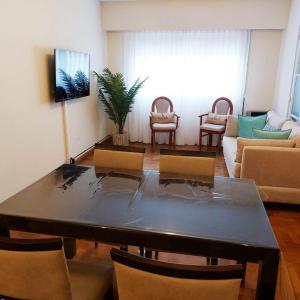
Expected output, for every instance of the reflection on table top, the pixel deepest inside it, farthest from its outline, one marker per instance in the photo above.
(217, 208)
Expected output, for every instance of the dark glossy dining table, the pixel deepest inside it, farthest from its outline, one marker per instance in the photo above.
(214, 216)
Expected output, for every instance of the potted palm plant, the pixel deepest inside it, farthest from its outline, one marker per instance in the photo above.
(117, 100)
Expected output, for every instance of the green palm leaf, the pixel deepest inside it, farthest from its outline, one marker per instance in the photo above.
(117, 100)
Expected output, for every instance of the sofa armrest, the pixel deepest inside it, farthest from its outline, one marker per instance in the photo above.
(271, 166)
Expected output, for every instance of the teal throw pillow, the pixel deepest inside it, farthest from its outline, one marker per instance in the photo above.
(273, 135)
(247, 123)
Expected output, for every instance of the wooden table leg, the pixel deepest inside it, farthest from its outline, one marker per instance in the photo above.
(267, 277)
(244, 263)
(69, 247)
(3, 230)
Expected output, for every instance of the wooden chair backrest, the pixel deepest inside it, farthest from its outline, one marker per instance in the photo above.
(222, 106)
(162, 104)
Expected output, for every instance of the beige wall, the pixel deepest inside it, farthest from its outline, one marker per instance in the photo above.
(194, 14)
(286, 61)
(262, 68)
(31, 125)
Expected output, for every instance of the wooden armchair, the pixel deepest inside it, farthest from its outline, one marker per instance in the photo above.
(162, 119)
(215, 122)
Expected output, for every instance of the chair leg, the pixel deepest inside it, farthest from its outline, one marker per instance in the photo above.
(219, 143)
(148, 254)
(212, 260)
(174, 140)
(142, 251)
(210, 136)
(200, 139)
(170, 138)
(153, 138)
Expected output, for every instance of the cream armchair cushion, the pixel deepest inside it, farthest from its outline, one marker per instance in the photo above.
(213, 118)
(162, 118)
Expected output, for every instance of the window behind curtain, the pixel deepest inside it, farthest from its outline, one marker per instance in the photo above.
(295, 99)
(192, 68)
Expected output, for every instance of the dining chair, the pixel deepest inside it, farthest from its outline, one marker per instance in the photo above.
(215, 122)
(187, 162)
(163, 119)
(37, 269)
(119, 157)
(142, 278)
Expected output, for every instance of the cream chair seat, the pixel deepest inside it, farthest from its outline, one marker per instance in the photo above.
(159, 126)
(141, 278)
(213, 127)
(37, 269)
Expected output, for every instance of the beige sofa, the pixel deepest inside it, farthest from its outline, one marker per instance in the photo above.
(273, 164)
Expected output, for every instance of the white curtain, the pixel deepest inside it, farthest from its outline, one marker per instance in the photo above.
(192, 68)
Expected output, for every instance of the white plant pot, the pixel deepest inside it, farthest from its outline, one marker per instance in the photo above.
(120, 139)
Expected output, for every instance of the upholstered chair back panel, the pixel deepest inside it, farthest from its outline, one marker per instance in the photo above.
(136, 284)
(34, 275)
(118, 159)
(189, 165)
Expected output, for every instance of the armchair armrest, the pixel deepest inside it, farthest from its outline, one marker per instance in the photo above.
(201, 118)
(150, 122)
(177, 120)
(271, 166)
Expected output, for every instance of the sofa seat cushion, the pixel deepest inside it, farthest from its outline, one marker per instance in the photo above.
(229, 150)
(213, 127)
(278, 194)
(241, 143)
(295, 134)
(166, 126)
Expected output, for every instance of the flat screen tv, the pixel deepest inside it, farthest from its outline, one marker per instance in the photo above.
(72, 75)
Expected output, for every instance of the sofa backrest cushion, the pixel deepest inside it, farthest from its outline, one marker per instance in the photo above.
(242, 142)
(231, 126)
(295, 135)
(274, 120)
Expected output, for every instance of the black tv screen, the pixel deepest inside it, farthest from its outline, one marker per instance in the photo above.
(72, 75)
